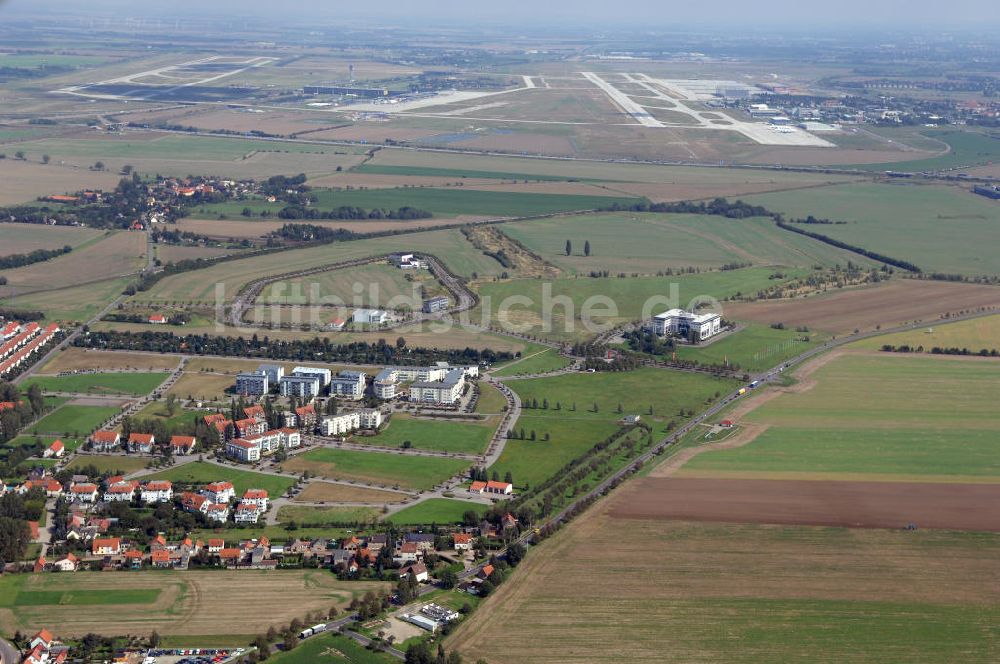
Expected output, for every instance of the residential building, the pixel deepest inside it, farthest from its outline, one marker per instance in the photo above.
(55, 450)
(417, 570)
(274, 372)
(435, 304)
(349, 384)
(255, 412)
(344, 423)
(218, 512)
(216, 545)
(386, 383)
(252, 384)
(300, 386)
(246, 513)
(256, 497)
(305, 417)
(121, 492)
(105, 441)
(192, 502)
(446, 391)
(158, 319)
(67, 563)
(157, 491)
(141, 443)
(107, 546)
(182, 445)
(370, 316)
(84, 492)
(219, 492)
(323, 374)
(477, 487)
(463, 541)
(686, 324)
(399, 259)
(249, 427)
(504, 488)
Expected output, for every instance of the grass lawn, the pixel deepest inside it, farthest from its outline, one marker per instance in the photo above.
(380, 285)
(78, 304)
(940, 228)
(157, 410)
(387, 169)
(490, 399)
(86, 598)
(754, 348)
(610, 300)
(968, 148)
(199, 472)
(73, 419)
(110, 464)
(874, 416)
(435, 510)
(428, 434)
(541, 362)
(101, 383)
(572, 433)
(331, 648)
(413, 472)
(444, 202)
(72, 444)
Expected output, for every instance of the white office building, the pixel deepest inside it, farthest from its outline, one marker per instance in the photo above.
(684, 323)
(370, 316)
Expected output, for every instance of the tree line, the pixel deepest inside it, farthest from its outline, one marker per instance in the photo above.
(37, 256)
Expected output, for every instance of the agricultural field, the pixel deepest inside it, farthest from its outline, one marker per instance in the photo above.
(875, 416)
(25, 181)
(130, 383)
(199, 473)
(84, 359)
(25, 238)
(888, 303)
(321, 516)
(628, 299)
(438, 511)
(753, 348)
(444, 202)
(73, 304)
(71, 418)
(975, 334)
(573, 432)
(964, 149)
(648, 243)
(429, 434)
(172, 603)
(940, 228)
(113, 254)
(741, 593)
(373, 285)
(542, 361)
(404, 471)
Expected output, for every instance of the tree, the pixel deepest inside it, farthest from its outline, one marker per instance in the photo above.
(448, 578)
(400, 343)
(569, 248)
(19, 155)
(171, 405)
(46, 158)
(419, 653)
(99, 166)
(508, 477)
(289, 641)
(127, 170)
(586, 248)
(154, 639)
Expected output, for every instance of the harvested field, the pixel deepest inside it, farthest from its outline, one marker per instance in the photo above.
(23, 181)
(814, 502)
(379, 181)
(896, 301)
(373, 133)
(330, 492)
(668, 192)
(973, 334)
(712, 592)
(171, 253)
(201, 603)
(25, 238)
(72, 304)
(520, 142)
(240, 228)
(116, 254)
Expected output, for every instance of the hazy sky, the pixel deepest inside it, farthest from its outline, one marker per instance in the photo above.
(651, 13)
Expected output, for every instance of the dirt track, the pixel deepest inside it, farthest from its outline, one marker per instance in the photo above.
(816, 503)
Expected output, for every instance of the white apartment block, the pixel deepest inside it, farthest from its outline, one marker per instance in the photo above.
(349, 384)
(446, 391)
(344, 423)
(252, 383)
(274, 372)
(323, 374)
(253, 448)
(299, 386)
(157, 491)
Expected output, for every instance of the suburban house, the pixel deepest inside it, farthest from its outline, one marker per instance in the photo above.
(158, 319)
(417, 570)
(141, 443)
(256, 497)
(477, 487)
(682, 323)
(409, 552)
(157, 491)
(67, 563)
(219, 492)
(84, 492)
(182, 445)
(216, 545)
(105, 441)
(121, 492)
(249, 427)
(463, 541)
(107, 546)
(305, 417)
(55, 450)
(255, 412)
(242, 450)
(192, 502)
(504, 488)
(218, 512)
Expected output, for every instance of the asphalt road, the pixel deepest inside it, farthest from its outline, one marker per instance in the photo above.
(8, 653)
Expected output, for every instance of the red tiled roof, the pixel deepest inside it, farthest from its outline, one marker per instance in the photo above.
(254, 493)
(57, 445)
(305, 410)
(498, 485)
(216, 487)
(477, 486)
(462, 538)
(104, 436)
(213, 418)
(43, 634)
(85, 487)
(140, 438)
(159, 485)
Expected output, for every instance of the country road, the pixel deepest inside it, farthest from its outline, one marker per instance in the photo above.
(8, 653)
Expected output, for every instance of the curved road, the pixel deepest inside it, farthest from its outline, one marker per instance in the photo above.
(8, 653)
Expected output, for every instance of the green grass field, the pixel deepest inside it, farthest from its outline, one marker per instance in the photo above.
(101, 383)
(648, 243)
(72, 419)
(380, 285)
(196, 148)
(902, 417)
(199, 473)
(85, 598)
(490, 399)
(421, 171)
(157, 410)
(968, 148)
(78, 304)
(427, 434)
(754, 348)
(331, 649)
(412, 472)
(572, 433)
(542, 361)
(111, 464)
(319, 516)
(72, 444)
(25, 238)
(610, 300)
(940, 228)
(974, 334)
(444, 202)
(435, 511)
